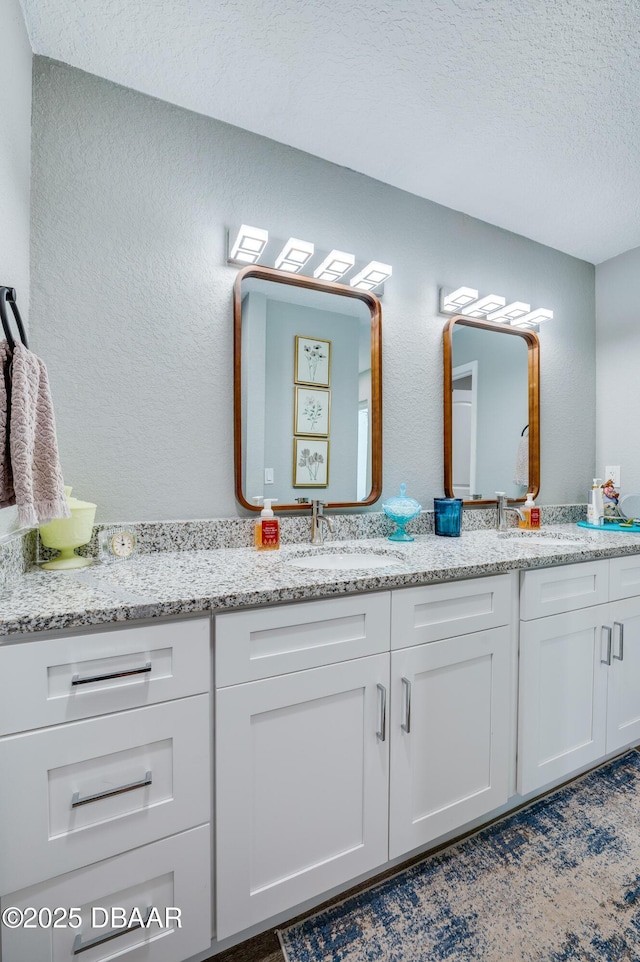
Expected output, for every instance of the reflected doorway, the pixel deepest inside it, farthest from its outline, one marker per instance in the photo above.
(465, 429)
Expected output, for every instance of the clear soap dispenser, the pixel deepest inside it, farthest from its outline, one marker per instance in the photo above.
(266, 535)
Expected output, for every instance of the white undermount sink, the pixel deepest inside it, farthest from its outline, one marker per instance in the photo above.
(540, 538)
(348, 560)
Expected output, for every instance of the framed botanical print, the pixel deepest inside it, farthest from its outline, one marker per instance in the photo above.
(312, 361)
(310, 463)
(312, 411)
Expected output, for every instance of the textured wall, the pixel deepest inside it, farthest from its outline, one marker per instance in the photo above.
(131, 298)
(15, 151)
(15, 164)
(617, 382)
(516, 111)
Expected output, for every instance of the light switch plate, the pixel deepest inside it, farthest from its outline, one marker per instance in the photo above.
(612, 473)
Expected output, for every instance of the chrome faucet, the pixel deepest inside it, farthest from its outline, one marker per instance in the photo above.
(503, 509)
(318, 518)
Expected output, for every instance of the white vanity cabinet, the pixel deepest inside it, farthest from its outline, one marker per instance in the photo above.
(623, 706)
(302, 758)
(623, 675)
(579, 667)
(107, 802)
(303, 786)
(563, 696)
(451, 714)
(449, 735)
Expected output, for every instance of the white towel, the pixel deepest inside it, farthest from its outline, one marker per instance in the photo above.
(521, 473)
(37, 478)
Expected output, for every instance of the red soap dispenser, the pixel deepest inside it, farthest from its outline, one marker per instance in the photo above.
(267, 530)
(531, 514)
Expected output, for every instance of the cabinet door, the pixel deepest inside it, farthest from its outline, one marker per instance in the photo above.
(449, 735)
(623, 703)
(563, 695)
(301, 797)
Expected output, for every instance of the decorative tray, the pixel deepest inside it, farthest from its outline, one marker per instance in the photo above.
(633, 528)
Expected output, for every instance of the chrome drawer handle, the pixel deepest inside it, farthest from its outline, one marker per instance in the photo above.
(406, 725)
(80, 946)
(607, 660)
(77, 680)
(620, 625)
(76, 801)
(382, 728)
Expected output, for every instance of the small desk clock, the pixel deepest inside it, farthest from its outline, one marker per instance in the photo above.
(117, 544)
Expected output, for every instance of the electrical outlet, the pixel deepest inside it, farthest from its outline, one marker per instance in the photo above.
(612, 473)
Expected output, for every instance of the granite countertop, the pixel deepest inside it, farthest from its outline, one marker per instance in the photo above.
(174, 582)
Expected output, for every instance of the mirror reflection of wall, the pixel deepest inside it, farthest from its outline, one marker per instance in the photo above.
(490, 412)
(292, 405)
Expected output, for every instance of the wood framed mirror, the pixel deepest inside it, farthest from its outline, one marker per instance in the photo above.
(491, 411)
(307, 391)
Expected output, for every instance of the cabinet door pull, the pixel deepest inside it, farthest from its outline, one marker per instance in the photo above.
(620, 626)
(609, 631)
(90, 679)
(406, 724)
(80, 946)
(76, 801)
(382, 727)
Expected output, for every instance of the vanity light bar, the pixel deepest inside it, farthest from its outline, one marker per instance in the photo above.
(371, 276)
(510, 313)
(334, 266)
(484, 306)
(453, 303)
(492, 307)
(294, 255)
(248, 245)
(535, 317)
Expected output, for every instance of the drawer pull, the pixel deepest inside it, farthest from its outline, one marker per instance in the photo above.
(76, 801)
(77, 680)
(80, 946)
(620, 626)
(607, 660)
(406, 724)
(382, 728)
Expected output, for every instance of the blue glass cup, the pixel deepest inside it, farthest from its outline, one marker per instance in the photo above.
(447, 516)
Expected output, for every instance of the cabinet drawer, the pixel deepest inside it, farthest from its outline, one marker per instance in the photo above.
(172, 873)
(550, 591)
(455, 608)
(275, 641)
(47, 682)
(624, 577)
(62, 800)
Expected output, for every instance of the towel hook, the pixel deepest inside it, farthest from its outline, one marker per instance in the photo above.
(8, 296)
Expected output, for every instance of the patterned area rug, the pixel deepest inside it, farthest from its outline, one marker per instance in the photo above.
(556, 882)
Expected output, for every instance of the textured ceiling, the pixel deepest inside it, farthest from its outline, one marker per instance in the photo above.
(524, 113)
